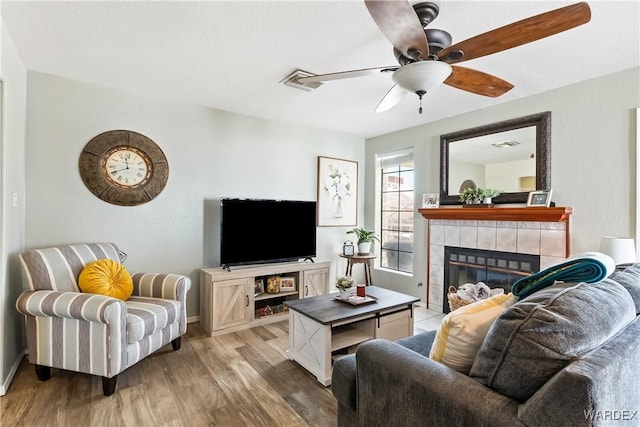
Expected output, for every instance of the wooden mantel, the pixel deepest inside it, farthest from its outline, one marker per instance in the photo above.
(555, 214)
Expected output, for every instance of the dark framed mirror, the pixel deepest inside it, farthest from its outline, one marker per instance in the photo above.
(513, 156)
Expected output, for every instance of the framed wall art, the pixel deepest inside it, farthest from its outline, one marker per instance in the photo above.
(337, 192)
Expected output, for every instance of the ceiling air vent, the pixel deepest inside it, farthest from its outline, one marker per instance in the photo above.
(292, 81)
(505, 144)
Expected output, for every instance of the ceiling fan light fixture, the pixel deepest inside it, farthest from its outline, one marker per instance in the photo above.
(421, 76)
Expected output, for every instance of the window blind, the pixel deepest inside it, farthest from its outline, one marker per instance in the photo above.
(395, 158)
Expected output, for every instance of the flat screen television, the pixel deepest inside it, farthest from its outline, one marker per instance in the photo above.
(254, 231)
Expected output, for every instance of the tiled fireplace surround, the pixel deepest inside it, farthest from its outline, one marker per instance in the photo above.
(547, 239)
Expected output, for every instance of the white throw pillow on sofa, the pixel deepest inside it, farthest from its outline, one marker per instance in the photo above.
(462, 331)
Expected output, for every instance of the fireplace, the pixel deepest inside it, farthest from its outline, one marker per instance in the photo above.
(542, 232)
(496, 269)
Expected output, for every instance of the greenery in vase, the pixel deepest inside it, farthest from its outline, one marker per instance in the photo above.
(491, 192)
(364, 235)
(345, 282)
(477, 195)
(471, 196)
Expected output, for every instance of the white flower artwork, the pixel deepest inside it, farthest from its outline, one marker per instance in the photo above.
(338, 186)
(337, 191)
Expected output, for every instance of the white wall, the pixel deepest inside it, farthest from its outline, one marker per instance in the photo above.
(462, 171)
(12, 225)
(211, 153)
(593, 166)
(505, 176)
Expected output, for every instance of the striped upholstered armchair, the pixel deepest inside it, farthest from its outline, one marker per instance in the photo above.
(91, 333)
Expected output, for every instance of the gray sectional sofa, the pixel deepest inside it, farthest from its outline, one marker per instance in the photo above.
(567, 355)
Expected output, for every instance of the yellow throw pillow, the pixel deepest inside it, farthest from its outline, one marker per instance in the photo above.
(462, 331)
(106, 277)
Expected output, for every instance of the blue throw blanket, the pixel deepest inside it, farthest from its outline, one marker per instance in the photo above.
(588, 267)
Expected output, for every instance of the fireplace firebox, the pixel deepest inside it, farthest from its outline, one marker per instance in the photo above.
(496, 269)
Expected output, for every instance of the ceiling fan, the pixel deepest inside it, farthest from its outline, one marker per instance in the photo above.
(426, 55)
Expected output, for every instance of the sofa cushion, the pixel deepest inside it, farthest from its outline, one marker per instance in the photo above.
(147, 315)
(420, 343)
(630, 278)
(106, 277)
(541, 334)
(462, 331)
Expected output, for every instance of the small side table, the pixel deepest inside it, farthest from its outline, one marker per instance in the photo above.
(360, 259)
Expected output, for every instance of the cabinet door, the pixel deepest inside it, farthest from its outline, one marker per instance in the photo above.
(315, 282)
(394, 326)
(231, 305)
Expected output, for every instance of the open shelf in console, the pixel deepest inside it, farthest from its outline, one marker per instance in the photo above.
(344, 336)
(272, 304)
(266, 296)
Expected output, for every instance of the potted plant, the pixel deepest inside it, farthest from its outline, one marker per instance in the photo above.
(489, 193)
(365, 238)
(475, 196)
(344, 285)
(471, 196)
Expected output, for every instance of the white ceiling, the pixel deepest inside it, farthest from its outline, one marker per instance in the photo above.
(232, 55)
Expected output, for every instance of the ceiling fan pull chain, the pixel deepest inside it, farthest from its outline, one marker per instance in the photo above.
(420, 93)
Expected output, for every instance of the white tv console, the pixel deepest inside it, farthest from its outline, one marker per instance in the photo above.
(228, 301)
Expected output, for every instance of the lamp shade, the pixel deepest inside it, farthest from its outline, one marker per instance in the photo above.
(621, 249)
(421, 76)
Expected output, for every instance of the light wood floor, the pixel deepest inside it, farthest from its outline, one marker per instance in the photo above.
(238, 379)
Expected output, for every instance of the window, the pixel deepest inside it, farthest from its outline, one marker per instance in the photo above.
(396, 211)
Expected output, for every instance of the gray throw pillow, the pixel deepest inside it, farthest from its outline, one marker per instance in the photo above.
(630, 279)
(541, 334)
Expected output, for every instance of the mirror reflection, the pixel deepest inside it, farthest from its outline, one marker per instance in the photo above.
(505, 161)
(513, 156)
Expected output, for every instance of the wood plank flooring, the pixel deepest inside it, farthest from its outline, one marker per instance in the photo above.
(237, 379)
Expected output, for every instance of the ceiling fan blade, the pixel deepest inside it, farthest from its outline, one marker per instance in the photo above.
(346, 74)
(399, 23)
(518, 33)
(477, 82)
(391, 99)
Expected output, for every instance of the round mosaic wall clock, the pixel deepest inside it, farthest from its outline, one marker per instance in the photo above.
(123, 167)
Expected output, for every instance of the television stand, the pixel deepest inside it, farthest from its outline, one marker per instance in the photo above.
(234, 299)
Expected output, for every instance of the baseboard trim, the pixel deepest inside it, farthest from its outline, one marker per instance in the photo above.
(194, 319)
(7, 381)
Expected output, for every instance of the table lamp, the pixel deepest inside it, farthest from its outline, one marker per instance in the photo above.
(621, 249)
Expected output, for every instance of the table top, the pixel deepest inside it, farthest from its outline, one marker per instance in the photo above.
(358, 257)
(326, 309)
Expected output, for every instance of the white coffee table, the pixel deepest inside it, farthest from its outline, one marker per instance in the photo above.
(321, 325)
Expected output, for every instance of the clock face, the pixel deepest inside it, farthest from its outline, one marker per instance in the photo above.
(347, 249)
(123, 167)
(127, 167)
